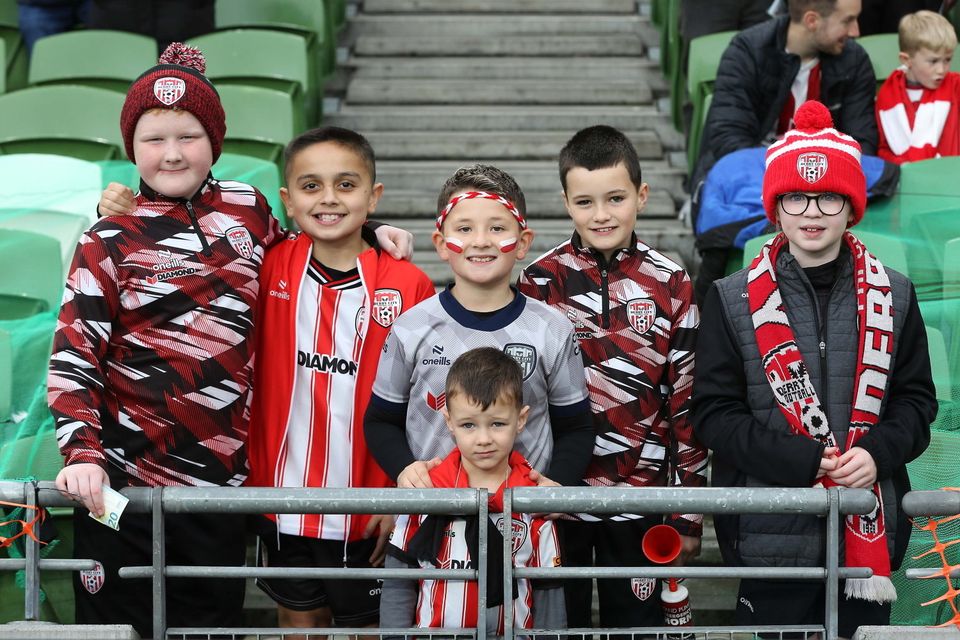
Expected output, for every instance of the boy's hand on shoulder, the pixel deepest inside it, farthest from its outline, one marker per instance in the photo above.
(84, 482)
(544, 481)
(855, 469)
(416, 475)
(395, 241)
(689, 549)
(117, 199)
(383, 522)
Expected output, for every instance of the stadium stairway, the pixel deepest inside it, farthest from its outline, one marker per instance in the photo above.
(436, 85)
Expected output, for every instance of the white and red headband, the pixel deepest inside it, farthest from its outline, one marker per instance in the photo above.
(471, 195)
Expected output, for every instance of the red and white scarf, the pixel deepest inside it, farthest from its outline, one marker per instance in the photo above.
(865, 536)
(911, 131)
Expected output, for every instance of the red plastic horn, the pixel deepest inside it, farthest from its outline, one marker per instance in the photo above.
(661, 544)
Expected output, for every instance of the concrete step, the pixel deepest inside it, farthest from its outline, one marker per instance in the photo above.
(473, 45)
(460, 24)
(524, 118)
(495, 144)
(541, 205)
(507, 67)
(531, 175)
(455, 91)
(500, 6)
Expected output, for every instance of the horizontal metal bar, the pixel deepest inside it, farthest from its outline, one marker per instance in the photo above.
(918, 574)
(931, 503)
(658, 500)
(785, 573)
(52, 564)
(240, 632)
(341, 573)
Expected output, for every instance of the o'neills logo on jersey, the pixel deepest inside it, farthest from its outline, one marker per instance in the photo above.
(281, 291)
(518, 532)
(169, 267)
(92, 579)
(386, 306)
(239, 238)
(525, 355)
(322, 363)
(641, 314)
(169, 90)
(811, 166)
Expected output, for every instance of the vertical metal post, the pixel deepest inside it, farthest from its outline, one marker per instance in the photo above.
(507, 564)
(159, 565)
(833, 563)
(484, 517)
(31, 602)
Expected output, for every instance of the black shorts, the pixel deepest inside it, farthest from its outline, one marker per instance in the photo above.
(794, 602)
(352, 603)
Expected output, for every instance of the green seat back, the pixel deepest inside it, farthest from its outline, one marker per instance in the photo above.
(259, 57)
(37, 456)
(951, 270)
(37, 120)
(697, 123)
(6, 374)
(55, 183)
(99, 58)
(13, 61)
(939, 364)
(262, 174)
(31, 267)
(3, 70)
(260, 122)
(702, 63)
(752, 248)
(306, 17)
(65, 228)
(884, 52)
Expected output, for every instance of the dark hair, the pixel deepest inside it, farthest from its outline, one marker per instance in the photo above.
(344, 137)
(599, 147)
(799, 7)
(486, 375)
(482, 177)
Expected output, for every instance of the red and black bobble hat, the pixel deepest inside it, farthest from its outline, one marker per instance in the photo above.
(177, 82)
(814, 157)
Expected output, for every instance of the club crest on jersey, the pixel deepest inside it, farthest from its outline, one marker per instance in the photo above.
(641, 313)
(386, 306)
(525, 355)
(518, 532)
(811, 166)
(239, 238)
(643, 587)
(92, 579)
(169, 90)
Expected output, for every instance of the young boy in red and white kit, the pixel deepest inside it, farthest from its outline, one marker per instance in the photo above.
(484, 413)
(330, 297)
(917, 106)
(635, 321)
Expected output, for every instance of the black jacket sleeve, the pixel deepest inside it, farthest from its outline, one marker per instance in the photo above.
(385, 428)
(903, 431)
(723, 421)
(573, 437)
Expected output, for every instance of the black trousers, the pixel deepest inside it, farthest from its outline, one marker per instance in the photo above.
(102, 597)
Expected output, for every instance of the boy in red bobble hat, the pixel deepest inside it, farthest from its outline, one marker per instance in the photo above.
(152, 359)
(812, 370)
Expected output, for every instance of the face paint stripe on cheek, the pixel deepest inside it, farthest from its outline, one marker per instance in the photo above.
(508, 245)
(454, 244)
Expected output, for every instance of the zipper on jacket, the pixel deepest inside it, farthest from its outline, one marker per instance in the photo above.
(196, 227)
(605, 298)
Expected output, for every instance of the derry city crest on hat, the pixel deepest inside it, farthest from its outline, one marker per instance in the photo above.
(169, 90)
(811, 166)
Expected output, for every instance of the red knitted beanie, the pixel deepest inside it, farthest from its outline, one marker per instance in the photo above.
(177, 82)
(814, 157)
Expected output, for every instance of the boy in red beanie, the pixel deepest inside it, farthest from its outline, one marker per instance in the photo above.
(152, 359)
(812, 370)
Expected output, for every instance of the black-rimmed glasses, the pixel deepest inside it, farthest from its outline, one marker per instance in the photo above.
(796, 203)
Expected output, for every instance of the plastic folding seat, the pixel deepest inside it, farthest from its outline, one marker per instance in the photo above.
(887, 248)
(6, 375)
(96, 58)
(14, 58)
(752, 248)
(259, 173)
(929, 185)
(36, 120)
(308, 18)
(37, 456)
(263, 58)
(702, 63)
(65, 228)
(884, 52)
(939, 365)
(50, 182)
(3, 72)
(260, 121)
(32, 272)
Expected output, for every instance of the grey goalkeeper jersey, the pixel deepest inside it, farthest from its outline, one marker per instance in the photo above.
(426, 340)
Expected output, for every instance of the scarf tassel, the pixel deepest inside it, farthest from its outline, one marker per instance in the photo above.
(878, 589)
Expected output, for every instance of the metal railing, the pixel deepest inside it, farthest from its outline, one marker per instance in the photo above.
(831, 504)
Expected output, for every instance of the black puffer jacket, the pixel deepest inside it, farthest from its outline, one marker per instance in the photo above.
(754, 80)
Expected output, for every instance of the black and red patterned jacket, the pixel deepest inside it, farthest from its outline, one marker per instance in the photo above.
(636, 324)
(153, 353)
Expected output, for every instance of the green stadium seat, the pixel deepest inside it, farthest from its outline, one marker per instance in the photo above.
(752, 248)
(262, 174)
(50, 182)
(6, 375)
(65, 228)
(305, 17)
(337, 11)
(13, 63)
(32, 270)
(95, 58)
(951, 269)
(884, 52)
(939, 364)
(262, 58)
(3, 72)
(888, 249)
(35, 120)
(702, 63)
(260, 121)
(928, 185)
(37, 456)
